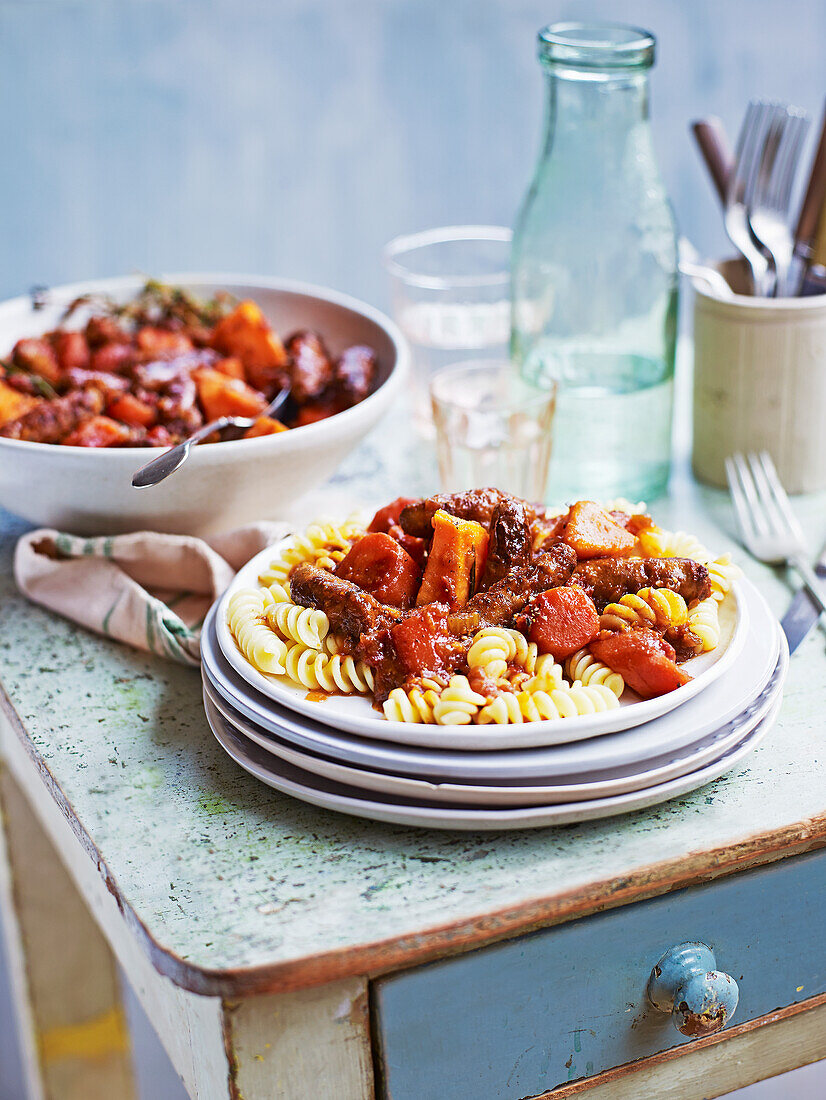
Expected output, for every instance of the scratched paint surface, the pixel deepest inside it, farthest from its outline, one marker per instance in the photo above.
(225, 873)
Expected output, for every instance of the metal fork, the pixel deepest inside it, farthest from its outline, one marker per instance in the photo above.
(739, 192)
(768, 526)
(768, 210)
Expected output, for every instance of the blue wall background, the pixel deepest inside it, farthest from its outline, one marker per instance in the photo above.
(294, 137)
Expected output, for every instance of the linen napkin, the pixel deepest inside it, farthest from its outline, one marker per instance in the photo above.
(149, 590)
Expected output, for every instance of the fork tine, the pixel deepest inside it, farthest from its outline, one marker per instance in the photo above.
(787, 157)
(756, 510)
(780, 495)
(775, 518)
(741, 508)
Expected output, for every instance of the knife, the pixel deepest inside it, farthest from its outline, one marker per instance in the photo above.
(803, 612)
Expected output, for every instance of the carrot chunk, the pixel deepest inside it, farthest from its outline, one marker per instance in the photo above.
(457, 558)
(563, 620)
(389, 515)
(593, 533)
(423, 641)
(223, 396)
(379, 565)
(643, 660)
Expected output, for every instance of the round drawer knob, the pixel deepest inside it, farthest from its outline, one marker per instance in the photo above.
(686, 983)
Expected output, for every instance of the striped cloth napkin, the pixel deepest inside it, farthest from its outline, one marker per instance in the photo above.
(147, 589)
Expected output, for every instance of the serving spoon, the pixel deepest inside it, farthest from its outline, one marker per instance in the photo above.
(158, 469)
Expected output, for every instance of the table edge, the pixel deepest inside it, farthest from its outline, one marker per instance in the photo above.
(439, 941)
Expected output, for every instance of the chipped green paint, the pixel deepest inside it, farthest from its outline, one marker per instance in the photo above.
(263, 881)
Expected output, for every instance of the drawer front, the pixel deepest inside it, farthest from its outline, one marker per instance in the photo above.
(513, 1020)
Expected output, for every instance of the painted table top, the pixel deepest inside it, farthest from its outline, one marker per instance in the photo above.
(238, 888)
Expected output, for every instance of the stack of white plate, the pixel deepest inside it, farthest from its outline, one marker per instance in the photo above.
(340, 753)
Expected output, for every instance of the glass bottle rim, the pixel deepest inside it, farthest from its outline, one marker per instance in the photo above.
(596, 46)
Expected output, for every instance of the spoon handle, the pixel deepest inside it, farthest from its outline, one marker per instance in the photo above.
(167, 463)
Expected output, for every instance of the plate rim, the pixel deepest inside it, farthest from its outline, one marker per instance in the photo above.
(468, 819)
(533, 734)
(308, 731)
(689, 758)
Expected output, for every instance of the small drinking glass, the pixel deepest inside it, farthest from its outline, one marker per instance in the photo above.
(492, 428)
(451, 293)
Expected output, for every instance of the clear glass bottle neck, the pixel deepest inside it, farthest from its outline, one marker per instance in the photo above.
(578, 97)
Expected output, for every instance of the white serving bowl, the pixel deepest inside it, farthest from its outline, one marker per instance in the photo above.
(88, 491)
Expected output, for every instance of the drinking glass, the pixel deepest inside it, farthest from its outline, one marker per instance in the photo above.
(492, 428)
(451, 293)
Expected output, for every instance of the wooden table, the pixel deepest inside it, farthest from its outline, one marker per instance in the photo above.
(282, 951)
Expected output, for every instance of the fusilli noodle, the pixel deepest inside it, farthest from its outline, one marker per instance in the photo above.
(657, 607)
(703, 621)
(491, 650)
(672, 544)
(722, 573)
(458, 703)
(583, 666)
(411, 706)
(324, 544)
(335, 673)
(299, 624)
(539, 705)
(260, 645)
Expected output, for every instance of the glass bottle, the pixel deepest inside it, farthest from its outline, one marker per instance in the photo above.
(594, 268)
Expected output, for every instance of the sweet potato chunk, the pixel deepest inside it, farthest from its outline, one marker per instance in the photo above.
(245, 334)
(223, 396)
(562, 620)
(13, 403)
(380, 566)
(131, 410)
(100, 431)
(642, 658)
(265, 425)
(231, 366)
(456, 560)
(594, 533)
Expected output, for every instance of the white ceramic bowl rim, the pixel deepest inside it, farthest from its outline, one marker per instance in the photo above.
(309, 432)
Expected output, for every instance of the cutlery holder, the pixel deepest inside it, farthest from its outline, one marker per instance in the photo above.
(760, 383)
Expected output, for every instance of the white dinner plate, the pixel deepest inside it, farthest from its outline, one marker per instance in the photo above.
(723, 701)
(324, 793)
(356, 714)
(688, 759)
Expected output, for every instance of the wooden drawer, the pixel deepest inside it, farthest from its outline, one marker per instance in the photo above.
(513, 1020)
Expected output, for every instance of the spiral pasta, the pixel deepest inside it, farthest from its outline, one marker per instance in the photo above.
(657, 607)
(259, 644)
(722, 573)
(672, 544)
(491, 650)
(703, 620)
(583, 666)
(539, 705)
(324, 544)
(313, 669)
(458, 703)
(280, 592)
(411, 706)
(299, 624)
